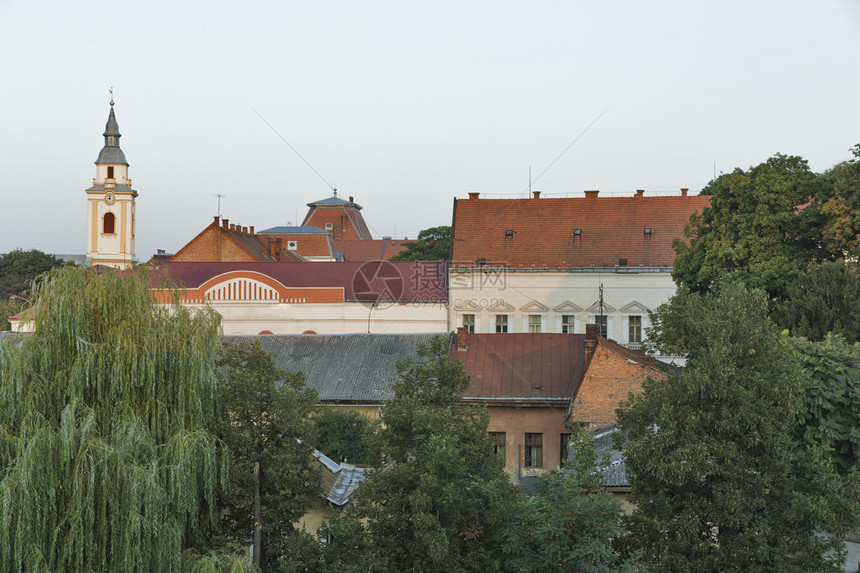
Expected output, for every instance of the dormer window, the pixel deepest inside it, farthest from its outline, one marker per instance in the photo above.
(110, 172)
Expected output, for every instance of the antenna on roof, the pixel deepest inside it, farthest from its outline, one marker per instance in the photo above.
(600, 301)
(530, 179)
(219, 203)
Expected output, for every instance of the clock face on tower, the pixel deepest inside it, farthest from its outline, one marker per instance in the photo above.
(110, 199)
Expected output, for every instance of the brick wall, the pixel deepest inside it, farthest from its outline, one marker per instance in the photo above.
(204, 248)
(608, 380)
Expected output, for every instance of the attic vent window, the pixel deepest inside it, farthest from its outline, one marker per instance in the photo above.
(292, 245)
(647, 232)
(577, 232)
(622, 262)
(329, 226)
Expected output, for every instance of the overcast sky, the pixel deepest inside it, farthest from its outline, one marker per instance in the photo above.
(404, 105)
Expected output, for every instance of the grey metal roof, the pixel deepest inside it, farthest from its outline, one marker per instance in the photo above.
(614, 471)
(111, 153)
(295, 230)
(117, 187)
(334, 201)
(342, 367)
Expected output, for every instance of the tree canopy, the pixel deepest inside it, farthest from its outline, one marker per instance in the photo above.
(720, 474)
(433, 244)
(754, 228)
(109, 462)
(18, 269)
(443, 503)
(346, 435)
(265, 414)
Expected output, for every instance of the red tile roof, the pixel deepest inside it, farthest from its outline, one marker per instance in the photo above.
(612, 228)
(408, 282)
(530, 366)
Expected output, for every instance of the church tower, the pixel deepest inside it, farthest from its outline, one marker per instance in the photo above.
(110, 205)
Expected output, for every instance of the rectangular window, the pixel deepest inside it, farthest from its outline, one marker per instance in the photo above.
(110, 172)
(469, 323)
(565, 444)
(498, 439)
(567, 324)
(534, 450)
(603, 324)
(635, 334)
(501, 323)
(534, 323)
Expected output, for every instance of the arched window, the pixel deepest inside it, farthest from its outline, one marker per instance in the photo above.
(109, 220)
(309, 332)
(265, 332)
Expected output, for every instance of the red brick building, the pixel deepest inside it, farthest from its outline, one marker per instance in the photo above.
(539, 387)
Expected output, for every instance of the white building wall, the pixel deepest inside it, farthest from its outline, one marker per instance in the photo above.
(486, 293)
(329, 318)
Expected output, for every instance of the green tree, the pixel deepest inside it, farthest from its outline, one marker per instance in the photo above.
(108, 459)
(444, 502)
(9, 308)
(433, 244)
(823, 299)
(839, 208)
(346, 435)
(266, 413)
(754, 228)
(720, 476)
(831, 412)
(18, 269)
(570, 525)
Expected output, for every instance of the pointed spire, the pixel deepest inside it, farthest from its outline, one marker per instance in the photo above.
(111, 153)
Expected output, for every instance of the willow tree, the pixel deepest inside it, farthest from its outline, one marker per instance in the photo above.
(107, 460)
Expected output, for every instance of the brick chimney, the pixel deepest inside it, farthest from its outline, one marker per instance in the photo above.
(351, 199)
(224, 223)
(279, 246)
(473, 195)
(462, 338)
(592, 194)
(217, 220)
(536, 194)
(232, 227)
(684, 191)
(251, 228)
(245, 230)
(640, 192)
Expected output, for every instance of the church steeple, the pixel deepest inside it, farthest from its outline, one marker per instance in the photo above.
(111, 204)
(111, 152)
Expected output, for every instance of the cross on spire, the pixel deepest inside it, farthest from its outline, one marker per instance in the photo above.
(111, 95)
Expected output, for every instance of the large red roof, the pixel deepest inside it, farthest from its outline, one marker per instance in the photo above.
(525, 365)
(543, 230)
(407, 282)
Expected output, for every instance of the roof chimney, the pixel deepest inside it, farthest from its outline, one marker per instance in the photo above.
(351, 199)
(591, 332)
(592, 194)
(279, 246)
(536, 194)
(217, 219)
(462, 338)
(245, 230)
(252, 229)
(684, 191)
(224, 223)
(232, 227)
(640, 192)
(473, 195)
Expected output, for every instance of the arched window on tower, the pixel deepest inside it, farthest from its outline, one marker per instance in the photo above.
(108, 226)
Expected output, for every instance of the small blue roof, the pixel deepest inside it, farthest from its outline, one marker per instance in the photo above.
(294, 230)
